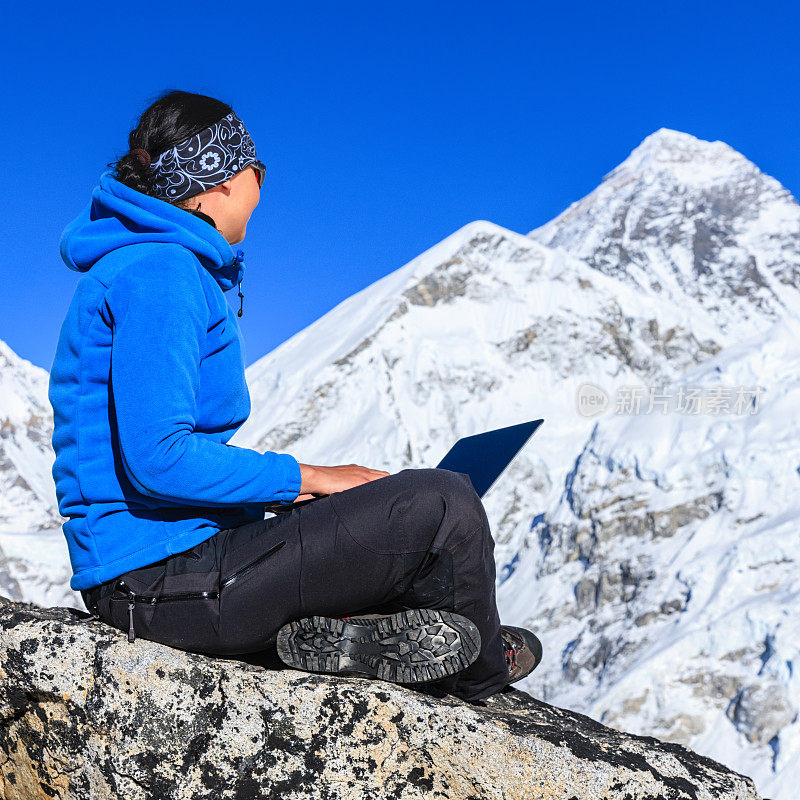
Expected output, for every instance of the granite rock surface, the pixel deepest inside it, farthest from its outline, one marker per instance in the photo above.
(86, 714)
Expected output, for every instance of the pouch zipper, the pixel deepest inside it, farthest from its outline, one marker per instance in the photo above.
(252, 565)
(213, 595)
(133, 597)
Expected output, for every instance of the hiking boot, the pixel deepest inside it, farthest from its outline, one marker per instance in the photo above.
(523, 651)
(410, 646)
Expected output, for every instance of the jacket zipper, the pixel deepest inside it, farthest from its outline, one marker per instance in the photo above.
(252, 565)
(133, 597)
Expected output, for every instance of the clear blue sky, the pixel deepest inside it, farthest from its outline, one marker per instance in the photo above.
(384, 127)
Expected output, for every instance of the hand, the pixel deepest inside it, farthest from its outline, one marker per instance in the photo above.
(302, 497)
(277, 507)
(317, 480)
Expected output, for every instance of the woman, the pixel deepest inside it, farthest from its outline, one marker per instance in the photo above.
(167, 533)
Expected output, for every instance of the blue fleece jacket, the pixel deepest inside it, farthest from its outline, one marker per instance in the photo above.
(147, 386)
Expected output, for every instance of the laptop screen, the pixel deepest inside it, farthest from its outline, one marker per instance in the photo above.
(484, 456)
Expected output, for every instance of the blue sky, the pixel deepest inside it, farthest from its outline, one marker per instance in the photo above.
(384, 127)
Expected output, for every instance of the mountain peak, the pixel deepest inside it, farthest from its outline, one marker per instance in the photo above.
(684, 157)
(693, 220)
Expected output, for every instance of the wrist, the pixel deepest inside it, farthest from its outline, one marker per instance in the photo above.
(309, 477)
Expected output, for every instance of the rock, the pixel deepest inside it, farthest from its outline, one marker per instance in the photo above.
(761, 710)
(86, 714)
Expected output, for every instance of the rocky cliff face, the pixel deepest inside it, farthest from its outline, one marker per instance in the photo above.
(84, 714)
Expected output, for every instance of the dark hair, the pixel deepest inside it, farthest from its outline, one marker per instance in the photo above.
(170, 119)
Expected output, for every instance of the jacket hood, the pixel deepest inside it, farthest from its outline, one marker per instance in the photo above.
(118, 215)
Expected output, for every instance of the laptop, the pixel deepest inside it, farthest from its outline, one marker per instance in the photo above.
(483, 456)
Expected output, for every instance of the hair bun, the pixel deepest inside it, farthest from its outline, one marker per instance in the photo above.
(142, 155)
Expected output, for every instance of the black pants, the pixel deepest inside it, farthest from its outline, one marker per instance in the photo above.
(416, 539)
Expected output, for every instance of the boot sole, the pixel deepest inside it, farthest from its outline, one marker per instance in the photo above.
(411, 646)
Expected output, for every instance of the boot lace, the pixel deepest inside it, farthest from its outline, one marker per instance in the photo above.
(511, 655)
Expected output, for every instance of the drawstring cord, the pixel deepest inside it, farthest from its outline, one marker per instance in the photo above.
(239, 258)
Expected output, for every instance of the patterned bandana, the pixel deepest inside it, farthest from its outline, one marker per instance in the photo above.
(206, 159)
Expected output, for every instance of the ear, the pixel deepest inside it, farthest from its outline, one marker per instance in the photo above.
(224, 187)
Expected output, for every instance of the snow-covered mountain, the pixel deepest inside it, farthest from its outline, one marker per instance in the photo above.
(34, 562)
(693, 222)
(678, 533)
(654, 553)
